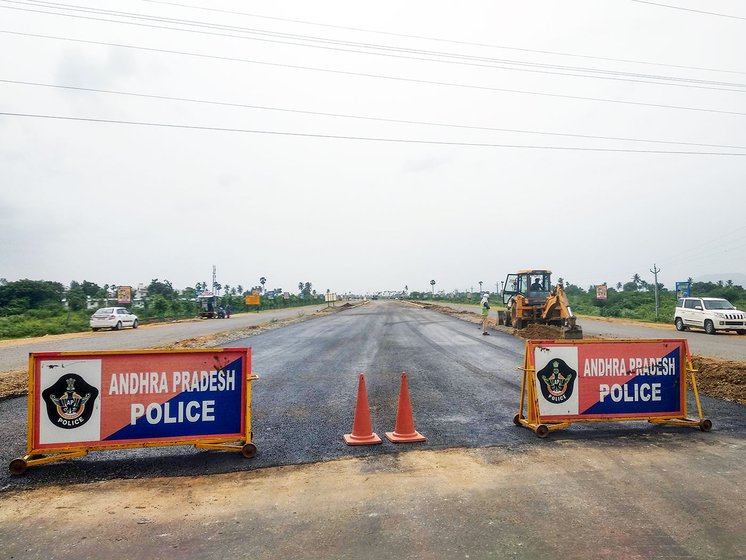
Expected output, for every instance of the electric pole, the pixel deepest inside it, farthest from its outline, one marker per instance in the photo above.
(655, 270)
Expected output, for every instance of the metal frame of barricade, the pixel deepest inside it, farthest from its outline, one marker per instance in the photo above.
(40, 456)
(529, 400)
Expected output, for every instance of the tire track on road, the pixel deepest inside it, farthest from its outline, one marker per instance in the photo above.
(455, 357)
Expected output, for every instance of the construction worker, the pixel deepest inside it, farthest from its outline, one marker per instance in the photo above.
(485, 305)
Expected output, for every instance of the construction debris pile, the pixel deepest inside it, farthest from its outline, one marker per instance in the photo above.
(539, 332)
(724, 379)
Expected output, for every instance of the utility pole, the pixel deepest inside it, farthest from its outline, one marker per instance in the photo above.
(655, 270)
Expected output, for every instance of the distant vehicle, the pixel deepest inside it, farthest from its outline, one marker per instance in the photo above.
(208, 306)
(710, 314)
(114, 318)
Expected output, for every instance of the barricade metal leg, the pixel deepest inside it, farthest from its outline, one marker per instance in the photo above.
(20, 464)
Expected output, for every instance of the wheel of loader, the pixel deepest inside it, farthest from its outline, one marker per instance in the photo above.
(705, 425)
(519, 323)
(517, 419)
(542, 431)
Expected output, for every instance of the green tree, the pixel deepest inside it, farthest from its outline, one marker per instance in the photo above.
(159, 304)
(189, 293)
(22, 295)
(76, 297)
(630, 287)
(164, 288)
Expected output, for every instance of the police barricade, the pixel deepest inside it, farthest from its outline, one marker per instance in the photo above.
(567, 381)
(83, 401)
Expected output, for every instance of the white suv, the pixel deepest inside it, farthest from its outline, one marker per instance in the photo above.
(710, 314)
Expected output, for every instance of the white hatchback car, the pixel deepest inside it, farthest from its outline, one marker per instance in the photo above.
(113, 318)
(710, 314)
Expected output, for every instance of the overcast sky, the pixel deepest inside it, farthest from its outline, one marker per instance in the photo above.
(123, 204)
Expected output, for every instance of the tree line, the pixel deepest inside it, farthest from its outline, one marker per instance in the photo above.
(636, 299)
(39, 307)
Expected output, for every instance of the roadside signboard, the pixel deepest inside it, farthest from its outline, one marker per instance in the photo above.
(601, 291)
(683, 289)
(253, 299)
(330, 297)
(82, 401)
(124, 295)
(568, 381)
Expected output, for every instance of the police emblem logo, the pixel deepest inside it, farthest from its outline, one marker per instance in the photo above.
(70, 401)
(557, 381)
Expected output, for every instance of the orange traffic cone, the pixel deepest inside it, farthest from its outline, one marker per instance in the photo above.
(362, 431)
(404, 431)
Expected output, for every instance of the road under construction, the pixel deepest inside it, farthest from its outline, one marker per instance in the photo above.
(475, 487)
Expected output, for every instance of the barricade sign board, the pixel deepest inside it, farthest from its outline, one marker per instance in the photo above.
(566, 381)
(81, 401)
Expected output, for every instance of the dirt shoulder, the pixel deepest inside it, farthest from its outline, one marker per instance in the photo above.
(452, 503)
(716, 377)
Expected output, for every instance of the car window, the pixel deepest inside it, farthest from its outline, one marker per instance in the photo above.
(104, 310)
(691, 303)
(718, 304)
(680, 302)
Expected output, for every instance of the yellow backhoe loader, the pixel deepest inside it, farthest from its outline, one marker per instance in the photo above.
(530, 298)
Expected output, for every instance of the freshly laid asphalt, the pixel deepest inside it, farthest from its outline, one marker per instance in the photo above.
(464, 390)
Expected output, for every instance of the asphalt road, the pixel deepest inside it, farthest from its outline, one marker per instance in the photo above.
(621, 490)
(726, 345)
(14, 353)
(464, 389)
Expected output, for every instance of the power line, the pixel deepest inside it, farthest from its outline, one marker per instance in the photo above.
(439, 39)
(131, 15)
(687, 9)
(675, 81)
(377, 76)
(364, 138)
(361, 117)
(350, 43)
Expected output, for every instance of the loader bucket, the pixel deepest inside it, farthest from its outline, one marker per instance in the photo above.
(501, 314)
(572, 333)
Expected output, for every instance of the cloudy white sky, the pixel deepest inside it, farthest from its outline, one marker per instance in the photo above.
(125, 203)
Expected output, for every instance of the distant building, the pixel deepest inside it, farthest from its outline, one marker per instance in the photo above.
(140, 295)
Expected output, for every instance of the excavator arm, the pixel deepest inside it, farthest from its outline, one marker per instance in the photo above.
(557, 310)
